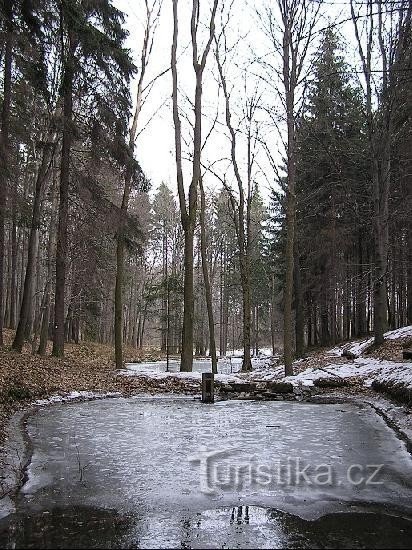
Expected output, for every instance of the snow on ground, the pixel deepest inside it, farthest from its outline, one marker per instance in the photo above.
(404, 332)
(357, 348)
(73, 396)
(366, 369)
(397, 373)
(195, 376)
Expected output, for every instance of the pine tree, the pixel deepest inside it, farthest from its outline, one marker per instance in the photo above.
(332, 212)
(93, 56)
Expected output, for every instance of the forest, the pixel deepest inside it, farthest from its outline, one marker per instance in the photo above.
(205, 274)
(286, 222)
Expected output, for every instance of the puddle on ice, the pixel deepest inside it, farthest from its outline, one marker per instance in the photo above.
(117, 472)
(231, 527)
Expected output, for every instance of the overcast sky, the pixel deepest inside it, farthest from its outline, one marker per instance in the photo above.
(155, 144)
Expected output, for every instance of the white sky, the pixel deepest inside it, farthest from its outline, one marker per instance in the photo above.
(155, 145)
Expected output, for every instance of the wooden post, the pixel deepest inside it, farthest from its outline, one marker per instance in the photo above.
(407, 353)
(208, 387)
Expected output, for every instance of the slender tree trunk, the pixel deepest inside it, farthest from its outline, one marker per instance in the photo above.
(299, 315)
(4, 145)
(256, 331)
(360, 291)
(381, 199)
(13, 290)
(409, 271)
(188, 212)
(32, 250)
(62, 229)
(289, 81)
(120, 239)
(247, 324)
(164, 291)
(290, 238)
(32, 303)
(120, 244)
(8, 281)
(118, 298)
(46, 302)
(206, 279)
(188, 301)
(272, 315)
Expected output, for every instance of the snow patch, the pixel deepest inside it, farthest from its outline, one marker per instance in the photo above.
(403, 332)
(74, 395)
(357, 348)
(400, 373)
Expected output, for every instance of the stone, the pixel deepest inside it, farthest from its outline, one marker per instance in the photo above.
(280, 387)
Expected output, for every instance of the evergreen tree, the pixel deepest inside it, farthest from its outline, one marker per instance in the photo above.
(333, 215)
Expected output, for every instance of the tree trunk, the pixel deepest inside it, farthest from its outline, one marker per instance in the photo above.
(7, 277)
(206, 279)
(62, 229)
(245, 283)
(188, 212)
(46, 302)
(299, 315)
(118, 299)
(290, 238)
(360, 291)
(409, 271)
(13, 290)
(272, 316)
(256, 331)
(164, 291)
(4, 145)
(32, 251)
(381, 197)
(188, 301)
(289, 81)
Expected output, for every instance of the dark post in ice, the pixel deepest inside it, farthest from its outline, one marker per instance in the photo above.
(407, 353)
(208, 387)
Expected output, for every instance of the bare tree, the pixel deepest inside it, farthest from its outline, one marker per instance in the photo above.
(241, 203)
(152, 17)
(188, 208)
(291, 40)
(206, 278)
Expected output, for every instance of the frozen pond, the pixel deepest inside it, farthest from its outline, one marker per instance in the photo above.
(226, 365)
(133, 473)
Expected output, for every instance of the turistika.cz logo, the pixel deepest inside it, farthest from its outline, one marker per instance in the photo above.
(219, 470)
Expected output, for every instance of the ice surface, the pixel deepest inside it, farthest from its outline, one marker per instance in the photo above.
(134, 453)
(116, 473)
